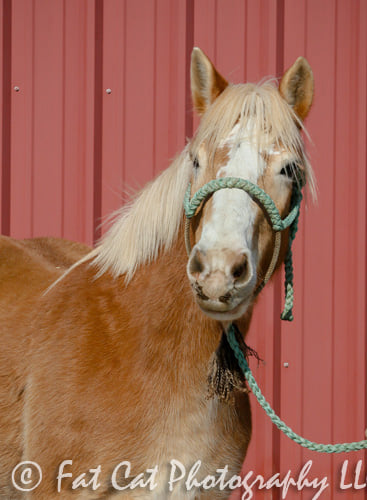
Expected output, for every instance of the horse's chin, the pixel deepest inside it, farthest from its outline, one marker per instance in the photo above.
(224, 312)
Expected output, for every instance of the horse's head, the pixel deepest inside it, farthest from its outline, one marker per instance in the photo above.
(250, 132)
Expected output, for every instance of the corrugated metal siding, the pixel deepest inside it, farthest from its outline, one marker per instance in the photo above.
(70, 150)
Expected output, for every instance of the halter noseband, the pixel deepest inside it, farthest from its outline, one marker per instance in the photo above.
(277, 223)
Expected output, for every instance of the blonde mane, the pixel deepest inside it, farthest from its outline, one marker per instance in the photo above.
(147, 224)
(152, 220)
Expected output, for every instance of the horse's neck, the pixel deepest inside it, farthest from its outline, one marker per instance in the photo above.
(172, 325)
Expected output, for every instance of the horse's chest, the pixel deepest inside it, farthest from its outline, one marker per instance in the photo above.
(194, 444)
(192, 433)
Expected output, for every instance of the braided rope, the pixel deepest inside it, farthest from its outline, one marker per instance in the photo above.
(311, 445)
(287, 313)
(277, 223)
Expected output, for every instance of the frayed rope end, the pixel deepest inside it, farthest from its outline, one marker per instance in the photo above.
(225, 376)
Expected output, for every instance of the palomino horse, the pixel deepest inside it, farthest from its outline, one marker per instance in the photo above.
(104, 376)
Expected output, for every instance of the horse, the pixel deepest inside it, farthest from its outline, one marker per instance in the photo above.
(105, 352)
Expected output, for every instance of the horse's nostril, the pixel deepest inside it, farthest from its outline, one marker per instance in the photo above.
(225, 298)
(240, 270)
(196, 264)
(199, 291)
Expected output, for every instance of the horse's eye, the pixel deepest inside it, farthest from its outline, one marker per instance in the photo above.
(195, 162)
(292, 171)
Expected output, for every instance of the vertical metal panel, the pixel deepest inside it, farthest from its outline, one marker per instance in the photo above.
(48, 116)
(139, 106)
(113, 139)
(88, 135)
(78, 107)
(69, 151)
(6, 12)
(22, 47)
(231, 32)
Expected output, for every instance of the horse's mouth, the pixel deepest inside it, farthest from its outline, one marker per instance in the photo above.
(228, 305)
(224, 310)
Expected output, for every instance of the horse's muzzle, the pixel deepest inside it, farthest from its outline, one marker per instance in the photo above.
(221, 279)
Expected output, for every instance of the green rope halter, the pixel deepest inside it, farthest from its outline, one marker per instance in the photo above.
(277, 223)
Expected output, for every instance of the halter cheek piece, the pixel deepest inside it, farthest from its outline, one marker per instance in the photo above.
(277, 223)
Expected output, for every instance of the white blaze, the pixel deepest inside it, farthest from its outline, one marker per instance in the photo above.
(233, 211)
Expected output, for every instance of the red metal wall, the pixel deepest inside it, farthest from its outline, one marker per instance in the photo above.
(70, 150)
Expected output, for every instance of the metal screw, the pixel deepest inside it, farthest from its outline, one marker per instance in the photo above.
(108, 91)
(286, 365)
(16, 89)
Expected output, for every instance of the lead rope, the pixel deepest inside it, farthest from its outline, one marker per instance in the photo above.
(311, 445)
(278, 224)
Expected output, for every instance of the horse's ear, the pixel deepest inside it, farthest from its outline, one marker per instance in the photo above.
(206, 82)
(297, 87)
